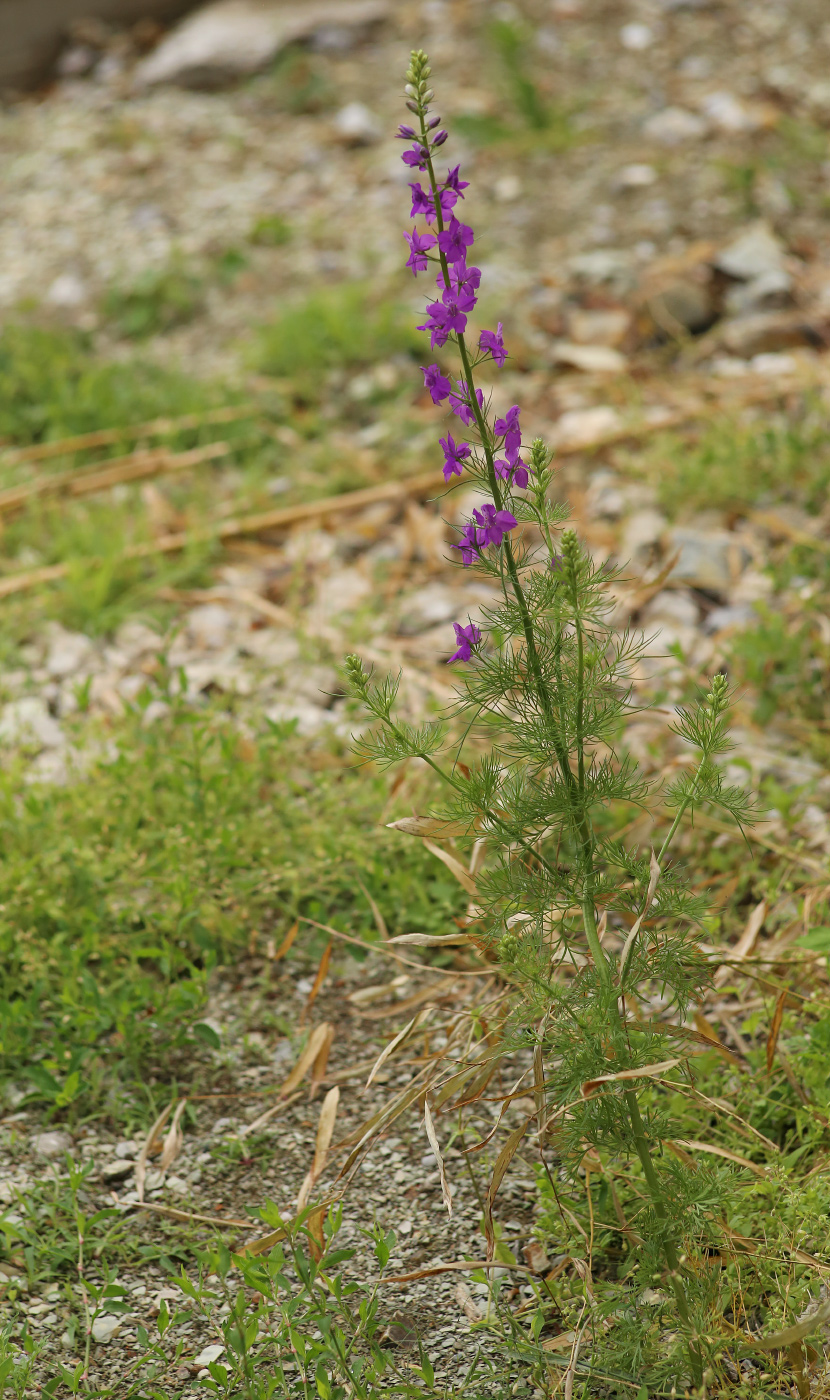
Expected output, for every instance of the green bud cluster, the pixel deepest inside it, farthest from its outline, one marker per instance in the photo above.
(508, 948)
(355, 674)
(718, 698)
(417, 91)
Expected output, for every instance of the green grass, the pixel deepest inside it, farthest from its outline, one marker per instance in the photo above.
(157, 300)
(52, 385)
(732, 466)
(346, 326)
(120, 893)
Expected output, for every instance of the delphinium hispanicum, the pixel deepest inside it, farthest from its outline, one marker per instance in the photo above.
(547, 682)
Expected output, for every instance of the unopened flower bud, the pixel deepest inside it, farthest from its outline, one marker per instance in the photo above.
(428, 95)
(509, 946)
(439, 139)
(411, 90)
(413, 106)
(433, 122)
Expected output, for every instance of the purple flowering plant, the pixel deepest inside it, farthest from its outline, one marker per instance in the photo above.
(544, 686)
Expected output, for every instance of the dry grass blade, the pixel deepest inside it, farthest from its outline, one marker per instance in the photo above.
(694, 1146)
(796, 1333)
(190, 1216)
(325, 1130)
(775, 1028)
(266, 1117)
(654, 876)
(446, 1191)
(148, 1148)
(432, 1270)
(454, 866)
(105, 437)
(244, 597)
(400, 1039)
(136, 466)
(319, 979)
(503, 1161)
(380, 922)
(321, 1059)
(315, 1041)
(431, 940)
(429, 826)
(425, 994)
(644, 1072)
(174, 1138)
(380, 1120)
(466, 1302)
(287, 941)
(570, 1373)
(744, 945)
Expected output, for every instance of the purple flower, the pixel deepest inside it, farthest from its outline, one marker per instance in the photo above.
(468, 544)
(418, 245)
(433, 122)
(515, 472)
(421, 203)
(438, 140)
(436, 324)
(447, 198)
(460, 405)
(452, 182)
(416, 156)
(463, 279)
(455, 454)
(492, 343)
(406, 133)
(508, 428)
(455, 240)
(438, 384)
(493, 524)
(467, 638)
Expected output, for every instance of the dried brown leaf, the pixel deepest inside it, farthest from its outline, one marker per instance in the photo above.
(287, 941)
(325, 1130)
(694, 1146)
(644, 1072)
(174, 1139)
(319, 979)
(796, 1333)
(775, 1028)
(466, 1302)
(150, 1146)
(503, 1161)
(628, 946)
(429, 826)
(446, 1191)
(454, 866)
(432, 940)
(744, 945)
(315, 1041)
(321, 1059)
(376, 914)
(388, 1051)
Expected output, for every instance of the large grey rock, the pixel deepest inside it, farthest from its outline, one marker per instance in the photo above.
(232, 39)
(754, 253)
(52, 1144)
(708, 559)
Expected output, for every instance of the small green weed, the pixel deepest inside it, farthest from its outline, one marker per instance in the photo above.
(344, 326)
(271, 231)
(731, 466)
(158, 300)
(531, 117)
(300, 84)
(118, 895)
(52, 385)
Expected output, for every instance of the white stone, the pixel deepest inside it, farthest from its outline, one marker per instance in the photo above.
(231, 39)
(208, 1355)
(68, 652)
(756, 251)
(673, 126)
(52, 1144)
(507, 188)
(581, 427)
(105, 1327)
(309, 718)
(177, 1185)
(67, 290)
(635, 177)
(726, 112)
(28, 721)
(773, 363)
(592, 359)
(772, 288)
(357, 125)
(117, 1171)
(209, 626)
(643, 530)
(636, 37)
(432, 604)
(136, 639)
(672, 606)
(598, 327)
(708, 559)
